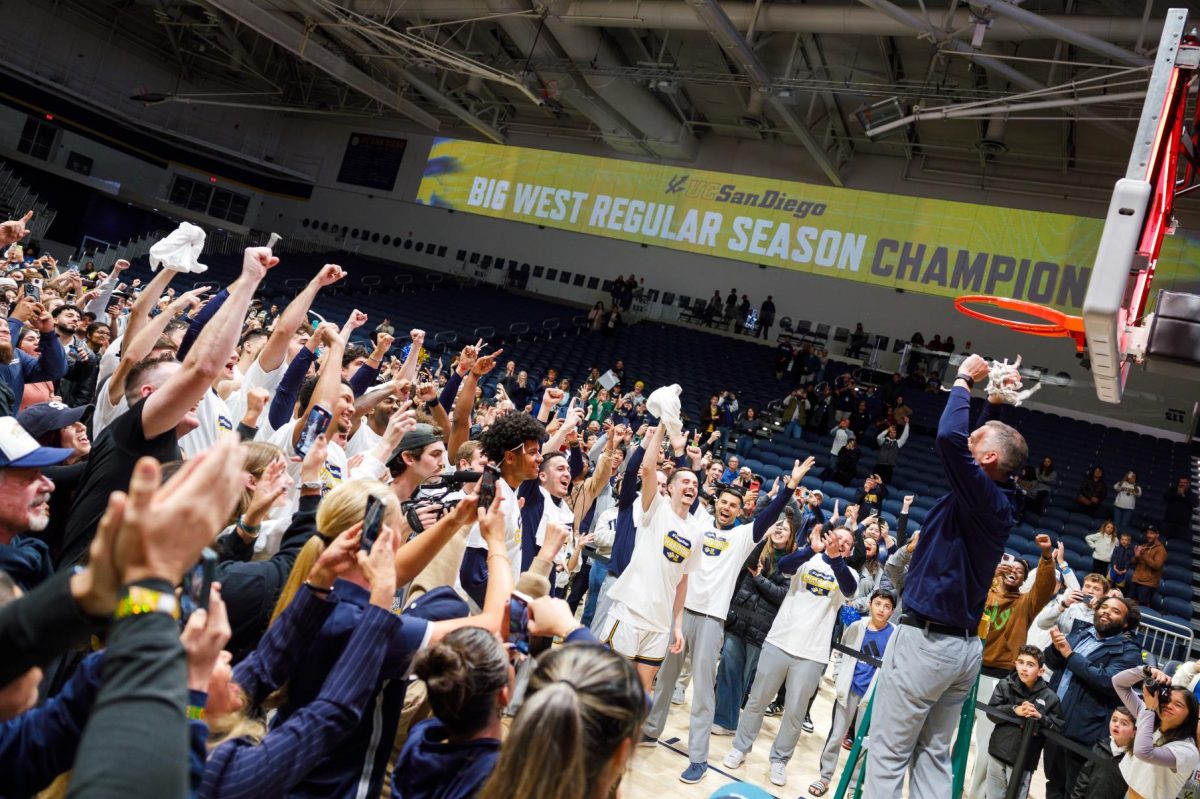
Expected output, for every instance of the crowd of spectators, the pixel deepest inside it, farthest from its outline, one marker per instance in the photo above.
(242, 553)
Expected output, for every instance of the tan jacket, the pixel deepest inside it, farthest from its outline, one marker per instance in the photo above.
(1148, 566)
(1008, 617)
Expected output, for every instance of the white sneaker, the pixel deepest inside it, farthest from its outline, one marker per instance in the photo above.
(735, 759)
(778, 772)
(717, 729)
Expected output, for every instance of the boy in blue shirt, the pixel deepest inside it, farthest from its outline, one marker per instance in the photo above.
(1122, 558)
(869, 635)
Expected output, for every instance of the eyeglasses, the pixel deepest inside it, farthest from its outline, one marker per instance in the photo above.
(521, 448)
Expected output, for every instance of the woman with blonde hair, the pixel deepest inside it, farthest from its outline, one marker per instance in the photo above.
(359, 758)
(340, 648)
(576, 732)
(1102, 542)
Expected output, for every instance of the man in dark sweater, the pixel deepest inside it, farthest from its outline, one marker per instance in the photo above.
(935, 654)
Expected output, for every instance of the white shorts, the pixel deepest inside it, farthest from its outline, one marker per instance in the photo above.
(636, 643)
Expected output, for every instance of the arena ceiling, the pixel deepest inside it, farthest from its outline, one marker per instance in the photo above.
(652, 78)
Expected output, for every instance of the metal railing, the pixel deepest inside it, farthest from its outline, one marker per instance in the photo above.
(1166, 640)
(16, 198)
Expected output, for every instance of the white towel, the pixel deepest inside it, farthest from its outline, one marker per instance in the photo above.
(664, 404)
(180, 250)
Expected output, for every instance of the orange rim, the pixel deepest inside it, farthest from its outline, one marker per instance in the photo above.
(1057, 323)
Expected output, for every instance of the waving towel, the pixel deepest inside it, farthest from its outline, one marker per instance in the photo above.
(664, 404)
(180, 250)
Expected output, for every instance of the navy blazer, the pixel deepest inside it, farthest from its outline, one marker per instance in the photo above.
(1090, 698)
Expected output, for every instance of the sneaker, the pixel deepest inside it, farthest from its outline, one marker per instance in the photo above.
(717, 729)
(778, 772)
(774, 709)
(677, 696)
(694, 773)
(847, 744)
(807, 725)
(735, 759)
(648, 740)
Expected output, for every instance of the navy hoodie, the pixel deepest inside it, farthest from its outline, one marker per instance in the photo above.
(431, 768)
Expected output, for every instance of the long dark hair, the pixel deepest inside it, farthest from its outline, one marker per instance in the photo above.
(463, 674)
(1186, 731)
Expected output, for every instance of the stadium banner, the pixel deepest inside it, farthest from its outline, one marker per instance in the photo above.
(930, 246)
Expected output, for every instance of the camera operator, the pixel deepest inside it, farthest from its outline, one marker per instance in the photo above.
(1164, 748)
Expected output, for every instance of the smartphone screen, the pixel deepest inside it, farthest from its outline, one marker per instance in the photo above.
(487, 489)
(755, 485)
(518, 620)
(197, 584)
(316, 424)
(372, 523)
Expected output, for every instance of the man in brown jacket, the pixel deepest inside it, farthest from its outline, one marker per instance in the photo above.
(1007, 618)
(1148, 561)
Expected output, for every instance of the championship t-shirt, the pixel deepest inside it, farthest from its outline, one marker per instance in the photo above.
(215, 419)
(722, 555)
(804, 625)
(667, 548)
(335, 470)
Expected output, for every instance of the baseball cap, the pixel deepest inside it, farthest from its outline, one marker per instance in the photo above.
(19, 450)
(418, 438)
(8, 283)
(440, 604)
(39, 419)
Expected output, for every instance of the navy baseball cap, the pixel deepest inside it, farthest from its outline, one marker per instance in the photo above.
(19, 450)
(440, 604)
(44, 417)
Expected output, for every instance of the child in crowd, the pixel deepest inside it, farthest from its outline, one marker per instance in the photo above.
(1027, 695)
(856, 678)
(1122, 560)
(1101, 778)
(1164, 755)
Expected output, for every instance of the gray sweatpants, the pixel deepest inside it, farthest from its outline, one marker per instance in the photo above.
(976, 788)
(918, 696)
(703, 637)
(774, 668)
(842, 715)
(998, 775)
(603, 603)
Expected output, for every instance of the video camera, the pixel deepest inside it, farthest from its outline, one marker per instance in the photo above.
(434, 494)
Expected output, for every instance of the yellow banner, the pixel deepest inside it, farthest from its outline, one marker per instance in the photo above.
(930, 246)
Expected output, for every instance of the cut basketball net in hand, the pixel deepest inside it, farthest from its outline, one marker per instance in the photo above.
(1004, 381)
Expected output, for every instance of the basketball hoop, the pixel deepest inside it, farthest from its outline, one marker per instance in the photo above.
(1057, 324)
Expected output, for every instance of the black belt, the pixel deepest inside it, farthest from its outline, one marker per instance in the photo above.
(912, 620)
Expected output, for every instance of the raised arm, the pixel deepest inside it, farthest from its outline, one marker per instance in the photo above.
(651, 446)
(142, 343)
(329, 379)
(770, 514)
(293, 316)
(179, 394)
(139, 311)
